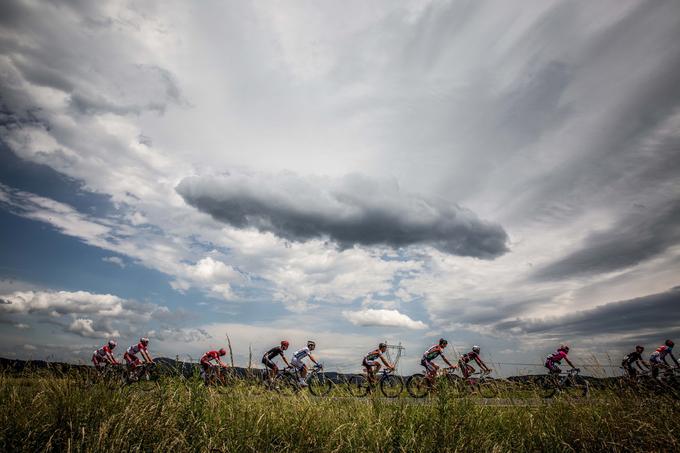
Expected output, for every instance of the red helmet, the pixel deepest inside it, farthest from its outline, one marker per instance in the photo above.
(670, 343)
(285, 344)
(222, 351)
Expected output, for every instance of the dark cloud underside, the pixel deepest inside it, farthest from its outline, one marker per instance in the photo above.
(660, 312)
(350, 211)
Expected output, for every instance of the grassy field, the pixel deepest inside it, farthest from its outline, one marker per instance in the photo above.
(61, 414)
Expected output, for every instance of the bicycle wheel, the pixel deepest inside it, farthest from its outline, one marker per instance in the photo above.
(284, 385)
(391, 386)
(319, 385)
(548, 388)
(358, 386)
(417, 386)
(146, 382)
(488, 388)
(577, 388)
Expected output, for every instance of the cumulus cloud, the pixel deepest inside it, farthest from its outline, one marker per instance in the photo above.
(85, 328)
(351, 210)
(80, 312)
(382, 318)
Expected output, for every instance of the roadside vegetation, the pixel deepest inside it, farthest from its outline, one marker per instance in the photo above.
(44, 412)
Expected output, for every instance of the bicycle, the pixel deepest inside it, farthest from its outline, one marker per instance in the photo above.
(568, 383)
(478, 382)
(419, 386)
(287, 380)
(145, 375)
(216, 376)
(390, 384)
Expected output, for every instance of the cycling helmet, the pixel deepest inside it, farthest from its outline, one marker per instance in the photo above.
(285, 344)
(382, 346)
(669, 343)
(476, 349)
(112, 344)
(144, 341)
(443, 342)
(222, 351)
(311, 344)
(563, 347)
(640, 347)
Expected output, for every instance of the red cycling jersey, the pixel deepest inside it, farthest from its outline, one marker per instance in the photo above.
(210, 355)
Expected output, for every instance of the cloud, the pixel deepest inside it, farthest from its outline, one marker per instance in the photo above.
(351, 211)
(382, 318)
(81, 312)
(659, 313)
(633, 239)
(114, 260)
(84, 327)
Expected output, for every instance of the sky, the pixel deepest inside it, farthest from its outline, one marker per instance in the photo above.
(348, 172)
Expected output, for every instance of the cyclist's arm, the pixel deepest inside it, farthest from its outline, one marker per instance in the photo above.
(447, 361)
(110, 358)
(285, 360)
(221, 363)
(312, 359)
(674, 359)
(641, 362)
(146, 355)
(481, 363)
(385, 362)
(569, 362)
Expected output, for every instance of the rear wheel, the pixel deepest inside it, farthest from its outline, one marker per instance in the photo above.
(319, 385)
(417, 386)
(548, 387)
(284, 385)
(358, 386)
(391, 386)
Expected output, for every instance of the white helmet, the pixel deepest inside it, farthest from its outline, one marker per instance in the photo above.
(112, 344)
(144, 341)
(476, 349)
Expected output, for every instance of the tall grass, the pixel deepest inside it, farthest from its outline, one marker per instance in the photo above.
(61, 414)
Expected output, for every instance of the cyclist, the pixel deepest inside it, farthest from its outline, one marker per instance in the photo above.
(130, 355)
(555, 359)
(207, 358)
(370, 361)
(432, 353)
(634, 357)
(299, 364)
(271, 354)
(464, 360)
(104, 356)
(658, 357)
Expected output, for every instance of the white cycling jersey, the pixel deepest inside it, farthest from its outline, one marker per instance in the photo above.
(301, 354)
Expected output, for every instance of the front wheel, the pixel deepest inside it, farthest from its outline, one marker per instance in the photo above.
(418, 386)
(391, 386)
(319, 385)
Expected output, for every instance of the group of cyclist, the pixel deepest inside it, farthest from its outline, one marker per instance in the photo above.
(371, 362)
(104, 355)
(657, 360)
